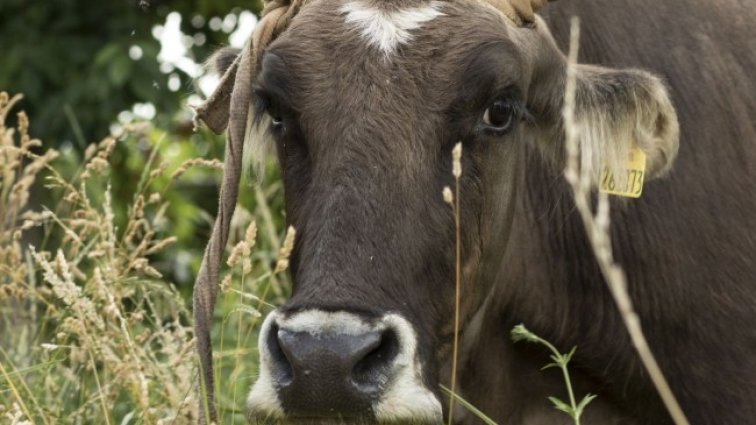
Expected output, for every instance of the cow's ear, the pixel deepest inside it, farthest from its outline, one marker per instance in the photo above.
(619, 110)
(215, 111)
(615, 110)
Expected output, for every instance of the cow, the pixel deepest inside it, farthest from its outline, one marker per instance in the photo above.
(362, 102)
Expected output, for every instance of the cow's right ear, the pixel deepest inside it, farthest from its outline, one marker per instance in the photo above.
(215, 111)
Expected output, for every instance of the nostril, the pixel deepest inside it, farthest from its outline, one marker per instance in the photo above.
(280, 362)
(372, 370)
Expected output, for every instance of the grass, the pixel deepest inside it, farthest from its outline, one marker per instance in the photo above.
(453, 200)
(597, 229)
(90, 329)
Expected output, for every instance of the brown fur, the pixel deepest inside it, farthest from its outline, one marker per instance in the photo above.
(364, 151)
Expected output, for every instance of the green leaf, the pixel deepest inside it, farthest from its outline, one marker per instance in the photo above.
(480, 415)
(584, 402)
(521, 333)
(560, 405)
(569, 355)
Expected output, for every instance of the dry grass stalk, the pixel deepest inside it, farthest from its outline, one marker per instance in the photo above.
(597, 228)
(285, 252)
(454, 202)
(16, 416)
(108, 330)
(249, 301)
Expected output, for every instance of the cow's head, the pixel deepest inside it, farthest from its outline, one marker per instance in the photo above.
(363, 101)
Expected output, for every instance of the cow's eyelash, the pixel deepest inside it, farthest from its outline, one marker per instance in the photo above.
(520, 108)
(523, 112)
(262, 105)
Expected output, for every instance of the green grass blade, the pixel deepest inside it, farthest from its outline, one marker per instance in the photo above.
(480, 415)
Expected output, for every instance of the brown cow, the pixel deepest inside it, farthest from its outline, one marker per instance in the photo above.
(364, 99)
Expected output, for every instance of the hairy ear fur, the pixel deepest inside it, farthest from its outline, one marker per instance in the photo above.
(222, 59)
(614, 111)
(618, 109)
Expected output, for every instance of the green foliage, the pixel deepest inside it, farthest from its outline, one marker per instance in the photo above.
(469, 406)
(68, 56)
(558, 360)
(92, 327)
(73, 62)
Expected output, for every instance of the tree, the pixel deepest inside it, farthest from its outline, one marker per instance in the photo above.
(80, 64)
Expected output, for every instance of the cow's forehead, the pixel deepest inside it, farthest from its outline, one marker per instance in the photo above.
(354, 69)
(400, 48)
(390, 32)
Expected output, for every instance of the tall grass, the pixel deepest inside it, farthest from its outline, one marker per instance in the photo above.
(597, 231)
(90, 330)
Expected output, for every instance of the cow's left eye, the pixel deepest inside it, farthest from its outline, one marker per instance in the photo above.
(500, 116)
(276, 117)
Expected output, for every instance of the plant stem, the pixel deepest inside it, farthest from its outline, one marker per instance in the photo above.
(562, 361)
(570, 393)
(598, 236)
(457, 284)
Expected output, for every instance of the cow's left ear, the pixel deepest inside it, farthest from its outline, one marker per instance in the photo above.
(618, 110)
(615, 110)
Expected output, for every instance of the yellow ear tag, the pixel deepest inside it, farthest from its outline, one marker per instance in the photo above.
(636, 171)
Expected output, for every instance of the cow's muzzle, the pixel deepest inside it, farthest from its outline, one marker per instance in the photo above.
(338, 365)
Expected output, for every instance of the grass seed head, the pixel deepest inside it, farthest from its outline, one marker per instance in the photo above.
(448, 195)
(286, 249)
(457, 160)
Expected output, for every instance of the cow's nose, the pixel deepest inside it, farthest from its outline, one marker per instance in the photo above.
(326, 372)
(322, 366)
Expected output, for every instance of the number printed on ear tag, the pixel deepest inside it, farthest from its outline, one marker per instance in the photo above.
(633, 184)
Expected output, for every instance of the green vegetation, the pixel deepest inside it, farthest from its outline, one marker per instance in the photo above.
(100, 243)
(572, 408)
(81, 64)
(92, 331)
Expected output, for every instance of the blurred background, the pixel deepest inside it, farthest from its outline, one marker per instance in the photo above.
(88, 67)
(85, 66)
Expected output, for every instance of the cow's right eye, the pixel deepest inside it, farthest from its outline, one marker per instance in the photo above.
(500, 116)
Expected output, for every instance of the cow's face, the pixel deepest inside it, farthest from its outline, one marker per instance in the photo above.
(364, 101)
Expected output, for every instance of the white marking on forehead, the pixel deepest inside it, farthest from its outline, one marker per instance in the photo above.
(386, 29)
